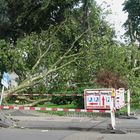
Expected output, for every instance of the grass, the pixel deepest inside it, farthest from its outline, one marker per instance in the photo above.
(51, 105)
(123, 111)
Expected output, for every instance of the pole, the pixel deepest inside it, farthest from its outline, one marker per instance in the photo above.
(1, 95)
(112, 113)
(128, 102)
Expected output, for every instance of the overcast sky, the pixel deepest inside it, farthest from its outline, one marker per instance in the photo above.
(118, 17)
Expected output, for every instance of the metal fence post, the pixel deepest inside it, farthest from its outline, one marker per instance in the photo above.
(1, 97)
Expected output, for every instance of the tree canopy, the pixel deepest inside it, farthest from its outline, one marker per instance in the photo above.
(22, 16)
(132, 7)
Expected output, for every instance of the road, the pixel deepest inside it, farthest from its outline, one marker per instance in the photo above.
(29, 134)
(34, 127)
(97, 124)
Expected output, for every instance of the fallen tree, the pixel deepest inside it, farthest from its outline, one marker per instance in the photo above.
(34, 77)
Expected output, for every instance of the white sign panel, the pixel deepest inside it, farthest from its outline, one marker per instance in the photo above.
(93, 100)
(4, 83)
(108, 100)
(119, 99)
(5, 79)
(97, 98)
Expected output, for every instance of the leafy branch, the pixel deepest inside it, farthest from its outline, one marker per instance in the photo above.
(35, 78)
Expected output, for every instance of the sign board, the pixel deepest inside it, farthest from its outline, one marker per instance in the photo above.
(97, 98)
(120, 99)
(5, 80)
(13, 79)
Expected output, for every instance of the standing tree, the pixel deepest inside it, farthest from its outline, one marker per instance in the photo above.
(24, 17)
(132, 7)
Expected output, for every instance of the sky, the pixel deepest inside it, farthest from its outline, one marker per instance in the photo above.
(117, 17)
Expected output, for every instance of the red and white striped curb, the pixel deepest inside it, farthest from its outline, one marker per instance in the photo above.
(25, 94)
(52, 109)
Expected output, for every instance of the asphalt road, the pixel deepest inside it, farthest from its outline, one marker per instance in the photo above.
(28, 134)
(97, 124)
(31, 126)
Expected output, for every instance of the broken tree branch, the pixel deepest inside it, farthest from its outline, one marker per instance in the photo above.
(40, 58)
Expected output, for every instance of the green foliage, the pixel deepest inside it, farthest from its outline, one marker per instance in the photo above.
(24, 16)
(10, 57)
(132, 7)
(46, 35)
(35, 45)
